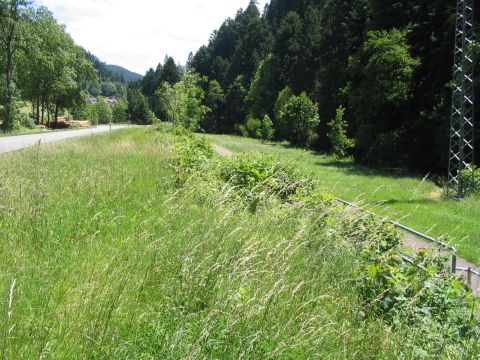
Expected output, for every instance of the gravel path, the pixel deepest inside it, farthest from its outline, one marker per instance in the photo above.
(222, 151)
(410, 240)
(11, 143)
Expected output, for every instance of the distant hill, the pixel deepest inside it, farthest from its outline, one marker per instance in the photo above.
(127, 74)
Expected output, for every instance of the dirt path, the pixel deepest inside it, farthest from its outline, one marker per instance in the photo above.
(410, 241)
(222, 151)
(11, 143)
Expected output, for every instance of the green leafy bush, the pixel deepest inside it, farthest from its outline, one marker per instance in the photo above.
(470, 180)
(26, 121)
(281, 129)
(300, 115)
(192, 154)
(422, 295)
(267, 131)
(253, 127)
(256, 177)
(104, 112)
(176, 130)
(337, 135)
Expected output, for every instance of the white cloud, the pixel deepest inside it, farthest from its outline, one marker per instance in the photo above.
(138, 34)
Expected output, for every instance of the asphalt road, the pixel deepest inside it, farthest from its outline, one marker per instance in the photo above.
(11, 143)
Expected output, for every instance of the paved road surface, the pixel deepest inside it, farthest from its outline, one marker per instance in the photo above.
(11, 143)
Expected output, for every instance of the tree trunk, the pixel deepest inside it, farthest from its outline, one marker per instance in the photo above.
(38, 110)
(56, 112)
(48, 115)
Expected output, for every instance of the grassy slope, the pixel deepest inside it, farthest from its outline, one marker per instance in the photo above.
(102, 257)
(415, 202)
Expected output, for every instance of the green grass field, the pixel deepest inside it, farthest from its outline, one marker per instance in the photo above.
(103, 256)
(415, 202)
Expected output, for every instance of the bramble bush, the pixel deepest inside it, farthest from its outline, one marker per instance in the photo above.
(424, 295)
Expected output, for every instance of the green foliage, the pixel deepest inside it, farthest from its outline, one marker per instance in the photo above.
(26, 121)
(253, 127)
(300, 116)
(256, 178)
(337, 135)
(91, 114)
(281, 129)
(261, 95)
(138, 110)
(215, 101)
(120, 113)
(103, 112)
(182, 102)
(470, 181)
(267, 131)
(381, 84)
(192, 154)
(423, 295)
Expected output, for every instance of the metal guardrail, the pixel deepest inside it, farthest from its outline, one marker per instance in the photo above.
(453, 267)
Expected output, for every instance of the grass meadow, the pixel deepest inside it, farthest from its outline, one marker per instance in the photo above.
(103, 256)
(416, 202)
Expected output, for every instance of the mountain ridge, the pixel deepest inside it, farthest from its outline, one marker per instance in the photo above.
(128, 75)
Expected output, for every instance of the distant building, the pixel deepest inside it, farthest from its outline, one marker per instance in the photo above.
(93, 100)
(112, 102)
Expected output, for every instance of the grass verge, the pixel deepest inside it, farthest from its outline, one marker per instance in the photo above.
(416, 202)
(105, 255)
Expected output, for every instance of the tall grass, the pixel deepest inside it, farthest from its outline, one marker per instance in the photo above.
(415, 201)
(103, 256)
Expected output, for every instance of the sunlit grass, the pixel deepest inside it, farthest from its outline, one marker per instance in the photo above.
(102, 256)
(415, 201)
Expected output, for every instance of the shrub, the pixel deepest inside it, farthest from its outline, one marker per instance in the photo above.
(422, 295)
(301, 116)
(256, 177)
(470, 181)
(192, 154)
(104, 112)
(281, 129)
(337, 135)
(267, 130)
(120, 114)
(26, 121)
(176, 130)
(253, 127)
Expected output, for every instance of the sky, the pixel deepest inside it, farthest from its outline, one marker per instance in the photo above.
(138, 34)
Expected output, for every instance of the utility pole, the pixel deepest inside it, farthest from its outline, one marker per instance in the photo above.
(462, 132)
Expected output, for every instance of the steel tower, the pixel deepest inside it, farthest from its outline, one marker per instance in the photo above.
(462, 123)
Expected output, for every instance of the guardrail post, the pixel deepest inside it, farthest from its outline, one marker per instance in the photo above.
(454, 263)
(469, 277)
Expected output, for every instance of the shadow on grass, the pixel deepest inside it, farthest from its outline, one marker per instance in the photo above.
(351, 168)
(409, 202)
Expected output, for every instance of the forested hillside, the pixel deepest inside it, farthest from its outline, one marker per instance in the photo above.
(127, 75)
(43, 70)
(387, 63)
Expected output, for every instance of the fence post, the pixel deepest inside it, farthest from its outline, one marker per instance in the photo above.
(469, 277)
(454, 263)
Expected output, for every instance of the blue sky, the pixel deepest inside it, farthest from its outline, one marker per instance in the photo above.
(138, 34)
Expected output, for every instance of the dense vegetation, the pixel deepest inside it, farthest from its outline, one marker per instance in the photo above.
(387, 63)
(417, 202)
(42, 67)
(141, 244)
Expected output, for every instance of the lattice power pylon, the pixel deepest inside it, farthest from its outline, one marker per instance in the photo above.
(462, 128)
